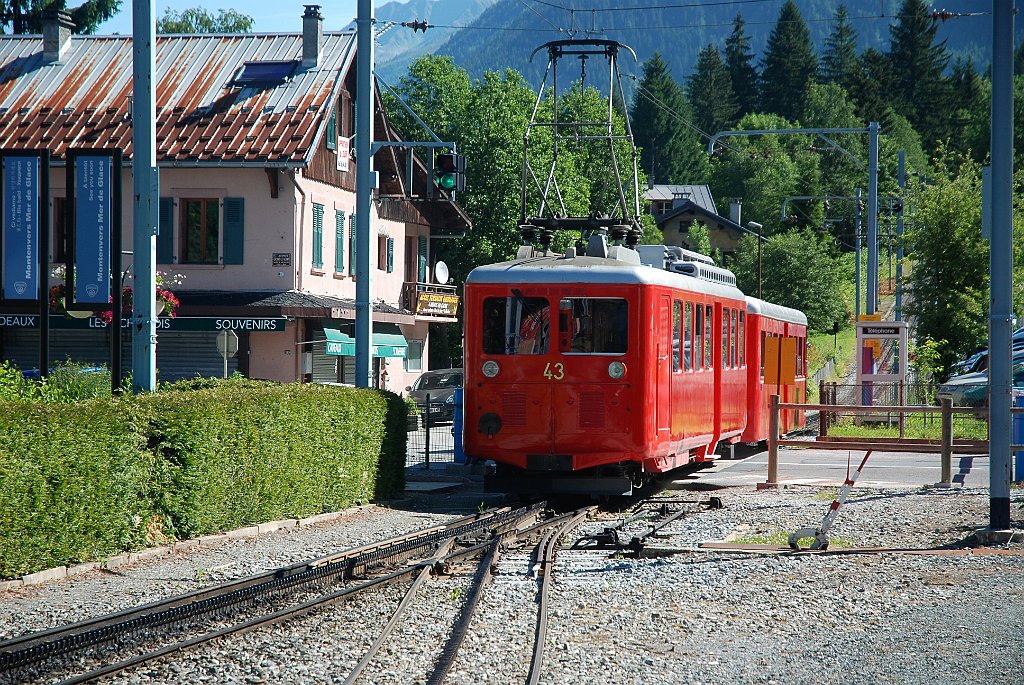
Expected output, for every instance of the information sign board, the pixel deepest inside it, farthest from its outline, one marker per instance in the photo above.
(21, 188)
(92, 229)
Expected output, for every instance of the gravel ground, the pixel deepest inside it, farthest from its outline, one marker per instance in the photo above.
(691, 617)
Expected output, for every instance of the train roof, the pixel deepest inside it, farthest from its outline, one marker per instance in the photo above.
(584, 269)
(775, 311)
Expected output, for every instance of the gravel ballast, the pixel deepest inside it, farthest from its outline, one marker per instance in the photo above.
(694, 616)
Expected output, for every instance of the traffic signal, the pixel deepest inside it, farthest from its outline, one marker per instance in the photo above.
(450, 172)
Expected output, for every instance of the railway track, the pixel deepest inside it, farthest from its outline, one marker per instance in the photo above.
(211, 613)
(103, 646)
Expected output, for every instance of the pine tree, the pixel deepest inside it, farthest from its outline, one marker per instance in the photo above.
(839, 64)
(922, 94)
(710, 92)
(662, 127)
(789, 65)
(872, 87)
(739, 60)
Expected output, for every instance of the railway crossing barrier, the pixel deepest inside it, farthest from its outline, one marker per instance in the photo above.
(946, 446)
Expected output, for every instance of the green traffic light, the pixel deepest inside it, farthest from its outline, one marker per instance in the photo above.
(446, 181)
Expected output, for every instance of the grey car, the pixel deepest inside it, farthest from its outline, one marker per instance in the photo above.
(440, 385)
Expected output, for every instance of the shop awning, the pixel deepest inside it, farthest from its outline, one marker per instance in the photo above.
(388, 341)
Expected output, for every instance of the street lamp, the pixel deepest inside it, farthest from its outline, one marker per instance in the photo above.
(756, 227)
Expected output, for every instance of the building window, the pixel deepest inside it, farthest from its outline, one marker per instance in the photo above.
(382, 252)
(331, 139)
(414, 356)
(339, 242)
(200, 222)
(318, 236)
(58, 248)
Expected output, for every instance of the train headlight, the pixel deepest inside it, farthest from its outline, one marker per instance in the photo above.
(616, 370)
(490, 368)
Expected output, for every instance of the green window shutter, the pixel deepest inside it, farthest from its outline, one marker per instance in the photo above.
(165, 232)
(234, 230)
(318, 236)
(391, 255)
(339, 242)
(332, 131)
(422, 254)
(352, 244)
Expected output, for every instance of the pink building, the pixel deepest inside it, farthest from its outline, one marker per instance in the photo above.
(257, 193)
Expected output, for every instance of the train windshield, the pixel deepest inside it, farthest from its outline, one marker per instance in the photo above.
(588, 325)
(516, 325)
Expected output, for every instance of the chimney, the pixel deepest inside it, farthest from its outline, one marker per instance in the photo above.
(312, 35)
(57, 26)
(735, 210)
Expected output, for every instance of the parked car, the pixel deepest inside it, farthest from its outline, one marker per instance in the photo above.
(979, 360)
(971, 389)
(440, 385)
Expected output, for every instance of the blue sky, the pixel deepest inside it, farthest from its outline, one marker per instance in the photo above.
(269, 15)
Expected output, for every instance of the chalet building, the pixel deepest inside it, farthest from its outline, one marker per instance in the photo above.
(676, 207)
(257, 201)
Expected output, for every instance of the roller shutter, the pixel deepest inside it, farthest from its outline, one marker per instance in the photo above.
(187, 354)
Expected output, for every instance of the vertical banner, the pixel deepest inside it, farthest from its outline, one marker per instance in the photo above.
(92, 193)
(21, 201)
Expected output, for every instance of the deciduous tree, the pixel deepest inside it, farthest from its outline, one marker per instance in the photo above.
(26, 16)
(199, 20)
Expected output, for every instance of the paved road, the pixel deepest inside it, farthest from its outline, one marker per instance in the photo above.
(829, 467)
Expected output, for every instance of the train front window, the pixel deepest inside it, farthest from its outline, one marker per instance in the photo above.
(516, 325)
(593, 325)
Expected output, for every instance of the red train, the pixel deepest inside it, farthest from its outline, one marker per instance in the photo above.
(595, 373)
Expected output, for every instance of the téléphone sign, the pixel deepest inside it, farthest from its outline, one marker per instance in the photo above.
(21, 189)
(92, 229)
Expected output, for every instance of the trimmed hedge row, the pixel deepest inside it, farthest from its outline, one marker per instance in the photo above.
(81, 482)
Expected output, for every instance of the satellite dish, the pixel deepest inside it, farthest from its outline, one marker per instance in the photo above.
(441, 273)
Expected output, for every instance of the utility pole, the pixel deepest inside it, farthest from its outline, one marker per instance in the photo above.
(1001, 265)
(364, 191)
(872, 303)
(901, 180)
(856, 233)
(145, 197)
(873, 131)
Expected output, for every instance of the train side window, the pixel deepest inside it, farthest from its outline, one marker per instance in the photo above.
(764, 334)
(725, 337)
(516, 325)
(707, 336)
(734, 340)
(800, 357)
(688, 337)
(677, 323)
(743, 342)
(594, 325)
(698, 338)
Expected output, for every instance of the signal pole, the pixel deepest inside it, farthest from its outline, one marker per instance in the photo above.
(364, 191)
(1001, 265)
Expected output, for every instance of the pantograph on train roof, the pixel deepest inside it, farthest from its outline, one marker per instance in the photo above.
(614, 212)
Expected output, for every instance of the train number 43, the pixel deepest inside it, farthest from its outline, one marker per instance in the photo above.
(554, 372)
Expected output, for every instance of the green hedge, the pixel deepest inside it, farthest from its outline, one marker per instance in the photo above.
(84, 481)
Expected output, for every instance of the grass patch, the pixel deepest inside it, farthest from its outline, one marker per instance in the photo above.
(781, 537)
(914, 426)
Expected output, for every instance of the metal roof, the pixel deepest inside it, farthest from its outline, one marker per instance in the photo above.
(202, 117)
(698, 194)
(599, 270)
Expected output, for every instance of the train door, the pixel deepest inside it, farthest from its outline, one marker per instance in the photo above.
(663, 370)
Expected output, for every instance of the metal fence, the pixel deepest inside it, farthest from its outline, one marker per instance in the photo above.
(895, 394)
(432, 433)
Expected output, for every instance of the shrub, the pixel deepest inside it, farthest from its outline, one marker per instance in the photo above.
(74, 485)
(113, 474)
